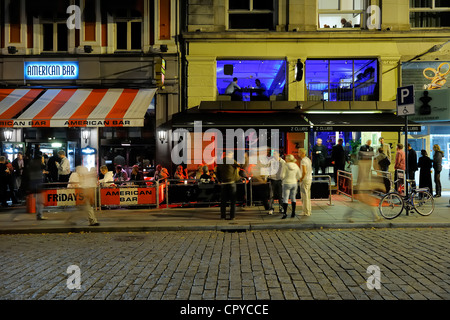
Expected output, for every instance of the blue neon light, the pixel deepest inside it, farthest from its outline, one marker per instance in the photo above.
(51, 70)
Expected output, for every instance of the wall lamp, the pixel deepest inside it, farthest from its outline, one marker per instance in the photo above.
(12, 50)
(162, 136)
(85, 134)
(8, 133)
(88, 49)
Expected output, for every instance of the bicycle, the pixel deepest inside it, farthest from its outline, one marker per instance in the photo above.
(420, 199)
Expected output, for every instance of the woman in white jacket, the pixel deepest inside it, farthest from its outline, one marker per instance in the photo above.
(290, 175)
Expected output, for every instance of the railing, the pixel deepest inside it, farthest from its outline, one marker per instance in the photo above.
(345, 183)
(341, 91)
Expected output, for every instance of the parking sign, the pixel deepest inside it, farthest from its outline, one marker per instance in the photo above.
(405, 101)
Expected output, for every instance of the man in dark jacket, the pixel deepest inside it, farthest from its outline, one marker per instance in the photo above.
(227, 174)
(3, 181)
(338, 158)
(366, 151)
(412, 163)
(319, 156)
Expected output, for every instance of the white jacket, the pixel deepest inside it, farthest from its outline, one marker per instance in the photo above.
(291, 173)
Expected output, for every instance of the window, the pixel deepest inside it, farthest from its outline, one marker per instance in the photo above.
(270, 73)
(252, 14)
(429, 13)
(55, 37)
(344, 14)
(342, 80)
(128, 30)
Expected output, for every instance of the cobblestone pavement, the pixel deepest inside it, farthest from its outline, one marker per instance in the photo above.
(276, 265)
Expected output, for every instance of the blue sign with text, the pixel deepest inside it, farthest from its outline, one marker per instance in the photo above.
(51, 70)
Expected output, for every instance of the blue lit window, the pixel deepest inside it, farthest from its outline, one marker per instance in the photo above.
(271, 73)
(342, 80)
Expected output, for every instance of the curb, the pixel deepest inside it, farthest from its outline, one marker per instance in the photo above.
(223, 228)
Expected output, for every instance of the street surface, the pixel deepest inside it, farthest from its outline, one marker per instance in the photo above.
(413, 264)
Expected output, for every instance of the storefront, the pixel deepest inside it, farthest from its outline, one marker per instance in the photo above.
(94, 108)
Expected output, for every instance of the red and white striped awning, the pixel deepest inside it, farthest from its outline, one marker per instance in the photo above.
(74, 107)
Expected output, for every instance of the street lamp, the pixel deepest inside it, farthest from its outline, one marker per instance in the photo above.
(8, 133)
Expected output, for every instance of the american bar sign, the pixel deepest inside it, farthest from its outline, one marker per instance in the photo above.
(51, 70)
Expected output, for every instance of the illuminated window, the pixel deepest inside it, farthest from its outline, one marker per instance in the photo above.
(342, 80)
(344, 14)
(270, 73)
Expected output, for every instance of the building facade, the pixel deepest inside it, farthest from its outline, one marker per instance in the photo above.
(88, 73)
(320, 61)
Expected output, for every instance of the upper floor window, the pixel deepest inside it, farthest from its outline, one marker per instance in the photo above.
(429, 13)
(252, 14)
(53, 16)
(345, 14)
(342, 80)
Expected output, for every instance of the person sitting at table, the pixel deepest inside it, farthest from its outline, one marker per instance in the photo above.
(234, 90)
(136, 175)
(120, 175)
(207, 176)
(179, 174)
(261, 93)
(108, 178)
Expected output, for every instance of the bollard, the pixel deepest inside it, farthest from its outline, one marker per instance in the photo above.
(31, 203)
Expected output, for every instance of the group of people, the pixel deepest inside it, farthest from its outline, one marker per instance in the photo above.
(284, 178)
(235, 91)
(382, 161)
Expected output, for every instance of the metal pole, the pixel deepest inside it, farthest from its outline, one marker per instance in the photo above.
(406, 161)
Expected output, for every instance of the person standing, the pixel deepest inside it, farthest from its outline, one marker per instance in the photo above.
(276, 187)
(63, 167)
(386, 148)
(412, 163)
(290, 176)
(400, 162)
(305, 181)
(437, 166)
(3, 181)
(425, 164)
(18, 165)
(52, 168)
(366, 151)
(382, 163)
(319, 156)
(227, 174)
(338, 158)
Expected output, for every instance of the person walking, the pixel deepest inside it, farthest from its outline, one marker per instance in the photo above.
(319, 155)
(290, 176)
(338, 158)
(437, 166)
(227, 174)
(276, 187)
(412, 163)
(305, 182)
(425, 164)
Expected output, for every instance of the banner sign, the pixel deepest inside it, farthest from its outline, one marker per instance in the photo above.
(67, 197)
(130, 196)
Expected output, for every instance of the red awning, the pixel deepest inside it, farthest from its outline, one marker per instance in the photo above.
(80, 108)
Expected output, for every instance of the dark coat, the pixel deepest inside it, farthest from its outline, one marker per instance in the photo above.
(425, 165)
(318, 159)
(338, 155)
(412, 160)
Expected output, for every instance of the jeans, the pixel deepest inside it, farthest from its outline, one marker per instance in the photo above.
(276, 192)
(289, 192)
(437, 181)
(227, 193)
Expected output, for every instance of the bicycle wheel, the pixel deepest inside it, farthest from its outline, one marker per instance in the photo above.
(423, 203)
(391, 205)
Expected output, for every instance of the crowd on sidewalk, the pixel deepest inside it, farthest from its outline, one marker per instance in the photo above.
(284, 175)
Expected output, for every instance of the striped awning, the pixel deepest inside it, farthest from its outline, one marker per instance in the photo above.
(74, 107)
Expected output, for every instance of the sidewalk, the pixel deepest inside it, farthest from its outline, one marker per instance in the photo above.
(324, 216)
